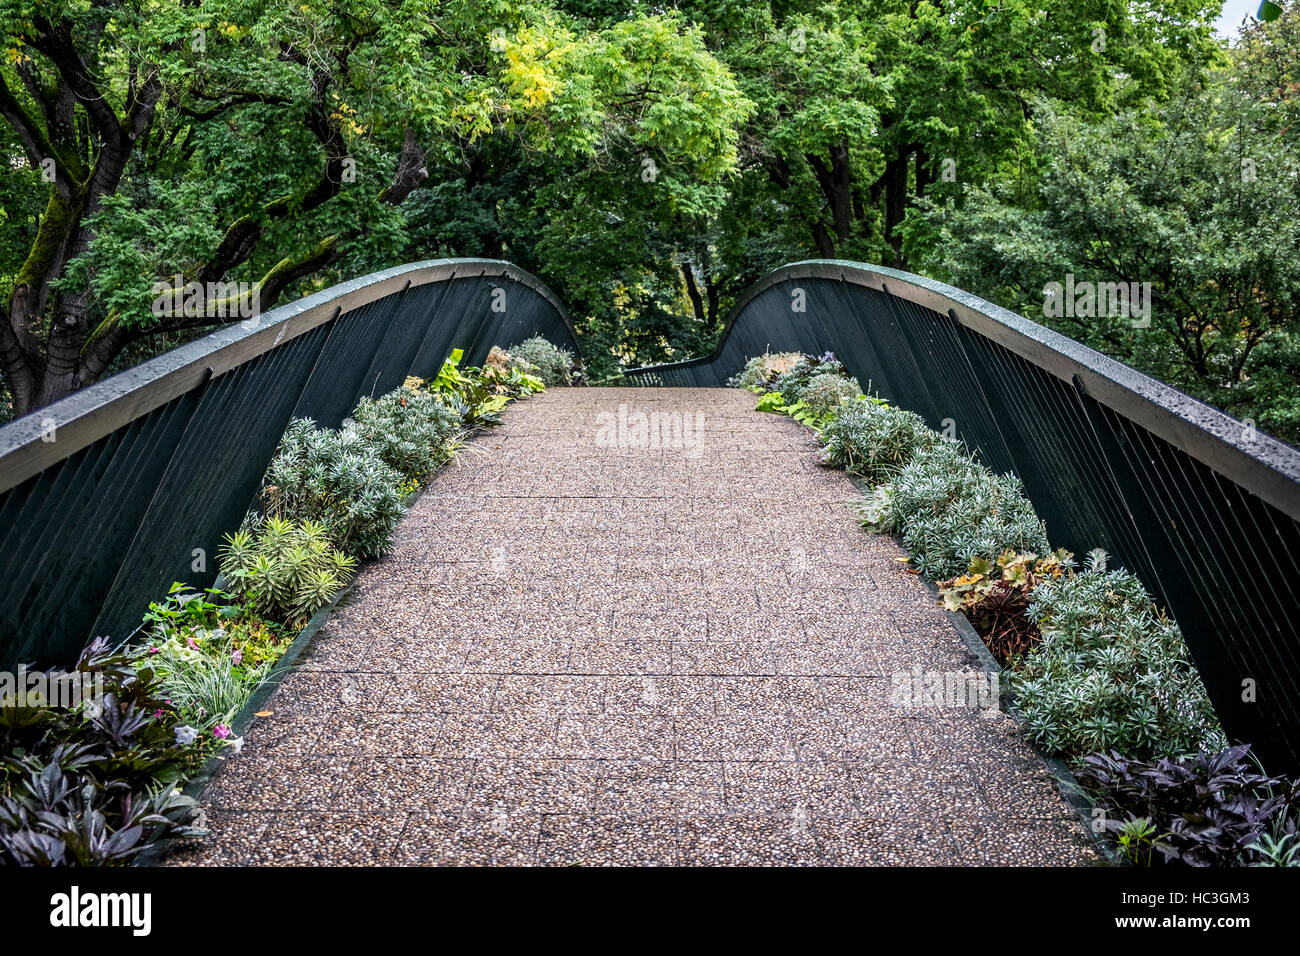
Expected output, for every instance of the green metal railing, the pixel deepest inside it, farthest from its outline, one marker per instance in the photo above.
(113, 493)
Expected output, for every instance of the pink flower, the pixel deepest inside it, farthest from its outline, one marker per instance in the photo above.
(237, 657)
(221, 731)
(155, 650)
(190, 642)
(158, 712)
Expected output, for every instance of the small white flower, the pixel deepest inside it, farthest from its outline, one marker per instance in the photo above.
(236, 744)
(186, 735)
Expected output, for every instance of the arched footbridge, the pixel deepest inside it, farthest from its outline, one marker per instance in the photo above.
(585, 650)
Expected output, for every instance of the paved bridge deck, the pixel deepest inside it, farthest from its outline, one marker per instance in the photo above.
(585, 652)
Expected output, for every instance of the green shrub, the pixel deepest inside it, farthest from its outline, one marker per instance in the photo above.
(478, 395)
(1111, 673)
(410, 430)
(795, 380)
(762, 370)
(952, 510)
(536, 356)
(335, 478)
(186, 614)
(827, 391)
(873, 440)
(283, 570)
(486, 391)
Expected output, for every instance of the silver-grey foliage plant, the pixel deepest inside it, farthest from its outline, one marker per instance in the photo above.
(952, 509)
(1112, 673)
(335, 478)
(873, 440)
(412, 431)
(552, 364)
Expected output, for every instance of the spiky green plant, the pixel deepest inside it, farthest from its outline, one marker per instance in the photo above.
(283, 570)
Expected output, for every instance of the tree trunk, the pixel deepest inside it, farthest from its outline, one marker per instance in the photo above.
(713, 293)
(896, 205)
(924, 175)
(825, 244)
(836, 182)
(693, 292)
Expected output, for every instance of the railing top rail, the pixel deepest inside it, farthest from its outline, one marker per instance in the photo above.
(1257, 462)
(99, 409)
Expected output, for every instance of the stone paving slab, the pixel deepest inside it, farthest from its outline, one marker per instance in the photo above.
(581, 653)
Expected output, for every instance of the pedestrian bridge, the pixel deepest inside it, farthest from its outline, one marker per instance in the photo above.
(584, 648)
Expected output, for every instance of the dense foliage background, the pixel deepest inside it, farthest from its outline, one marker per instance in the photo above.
(649, 162)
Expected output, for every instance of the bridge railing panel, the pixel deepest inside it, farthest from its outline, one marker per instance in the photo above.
(112, 493)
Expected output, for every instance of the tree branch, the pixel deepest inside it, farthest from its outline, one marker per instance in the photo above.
(35, 142)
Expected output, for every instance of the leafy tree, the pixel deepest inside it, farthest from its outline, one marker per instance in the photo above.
(612, 230)
(648, 165)
(1200, 197)
(864, 107)
(859, 109)
(275, 145)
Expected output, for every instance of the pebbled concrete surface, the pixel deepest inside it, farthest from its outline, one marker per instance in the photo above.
(585, 650)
